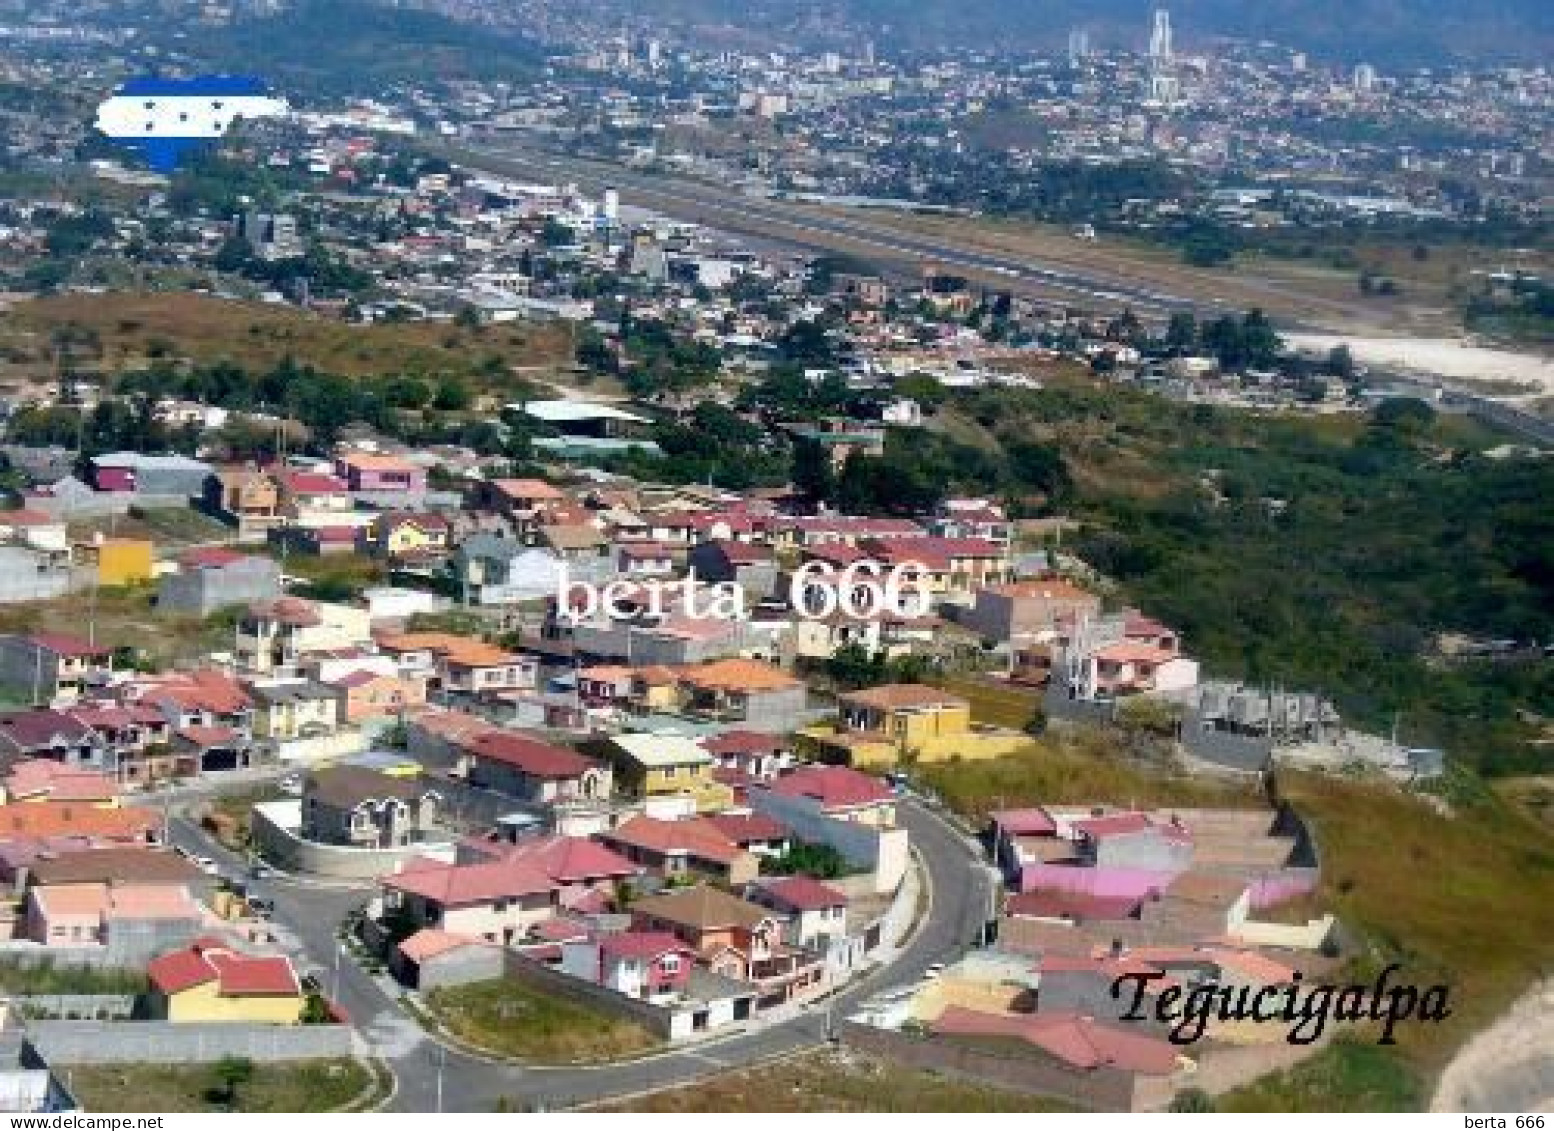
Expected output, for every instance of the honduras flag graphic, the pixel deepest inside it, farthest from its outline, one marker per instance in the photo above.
(165, 120)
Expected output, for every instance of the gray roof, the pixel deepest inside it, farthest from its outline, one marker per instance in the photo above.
(346, 787)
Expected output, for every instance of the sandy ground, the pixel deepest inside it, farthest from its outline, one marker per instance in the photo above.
(1450, 358)
(1509, 1067)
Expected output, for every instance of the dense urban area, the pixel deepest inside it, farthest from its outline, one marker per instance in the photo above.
(691, 557)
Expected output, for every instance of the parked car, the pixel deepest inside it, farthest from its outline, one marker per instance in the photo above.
(263, 908)
(261, 871)
(206, 865)
(291, 785)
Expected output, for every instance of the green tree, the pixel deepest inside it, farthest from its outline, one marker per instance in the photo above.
(231, 1073)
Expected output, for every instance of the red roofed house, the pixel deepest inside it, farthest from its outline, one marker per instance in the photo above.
(683, 848)
(810, 910)
(533, 771)
(500, 892)
(840, 793)
(641, 964)
(756, 753)
(1074, 1040)
(211, 982)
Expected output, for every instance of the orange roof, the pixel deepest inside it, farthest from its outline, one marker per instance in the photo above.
(1048, 589)
(429, 942)
(1129, 652)
(900, 696)
(736, 674)
(41, 819)
(369, 461)
(694, 836)
(527, 489)
(465, 651)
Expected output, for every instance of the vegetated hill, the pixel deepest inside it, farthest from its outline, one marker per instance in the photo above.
(1387, 32)
(121, 331)
(1318, 553)
(331, 47)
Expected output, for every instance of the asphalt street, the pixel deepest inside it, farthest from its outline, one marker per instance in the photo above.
(432, 1077)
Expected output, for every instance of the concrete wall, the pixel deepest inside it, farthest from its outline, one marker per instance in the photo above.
(322, 748)
(461, 967)
(275, 825)
(885, 851)
(20, 579)
(202, 591)
(1310, 935)
(131, 1042)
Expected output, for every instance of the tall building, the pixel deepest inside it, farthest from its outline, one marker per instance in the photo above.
(1078, 45)
(1364, 78)
(1163, 85)
(1160, 38)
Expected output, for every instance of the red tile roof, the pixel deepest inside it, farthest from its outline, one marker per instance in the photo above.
(1070, 905)
(63, 644)
(835, 787)
(236, 975)
(696, 837)
(572, 859)
(1080, 1042)
(803, 893)
(533, 757)
(742, 742)
(747, 828)
(462, 885)
(642, 945)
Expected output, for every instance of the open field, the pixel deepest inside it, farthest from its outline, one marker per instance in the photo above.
(1070, 768)
(131, 329)
(123, 618)
(508, 1018)
(296, 1086)
(835, 1081)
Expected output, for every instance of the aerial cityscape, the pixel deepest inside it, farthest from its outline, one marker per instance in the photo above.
(680, 556)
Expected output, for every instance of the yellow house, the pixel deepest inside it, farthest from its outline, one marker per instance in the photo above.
(876, 727)
(400, 535)
(658, 765)
(208, 981)
(119, 561)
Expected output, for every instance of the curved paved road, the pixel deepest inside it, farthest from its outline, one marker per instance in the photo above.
(434, 1077)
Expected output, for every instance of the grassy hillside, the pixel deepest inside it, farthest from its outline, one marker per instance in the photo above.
(129, 329)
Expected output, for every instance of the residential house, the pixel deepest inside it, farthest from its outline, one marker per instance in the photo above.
(751, 693)
(137, 737)
(1027, 610)
(637, 560)
(408, 539)
(363, 695)
(677, 849)
(309, 497)
(368, 473)
(840, 793)
(247, 497)
(126, 920)
(756, 833)
(209, 981)
(52, 667)
(523, 501)
(756, 754)
(732, 937)
(43, 779)
(57, 736)
(876, 726)
(647, 965)
(500, 893)
(752, 567)
(500, 571)
(46, 820)
(811, 911)
(460, 665)
(280, 634)
(173, 476)
(533, 771)
(116, 561)
(286, 710)
(361, 808)
(653, 765)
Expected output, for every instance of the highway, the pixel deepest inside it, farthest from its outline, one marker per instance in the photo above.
(432, 1076)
